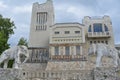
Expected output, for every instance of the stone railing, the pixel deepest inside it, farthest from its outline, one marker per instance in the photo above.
(59, 75)
(99, 34)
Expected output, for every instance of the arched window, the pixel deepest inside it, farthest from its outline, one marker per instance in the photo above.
(106, 28)
(90, 30)
(97, 27)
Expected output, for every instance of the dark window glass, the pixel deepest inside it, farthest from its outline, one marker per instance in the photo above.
(97, 27)
(94, 42)
(57, 32)
(90, 30)
(77, 32)
(56, 50)
(106, 28)
(77, 50)
(67, 50)
(90, 42)
(98, 41)
(102, 41)
(67, 32)
(106, 42)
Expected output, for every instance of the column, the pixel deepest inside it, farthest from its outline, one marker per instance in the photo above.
(103, 29)
(63, 50)
(39, 18)
(43, 21)
(70, 50)
(92, 29)
(74, 50)
(59, 50)
(81, 52)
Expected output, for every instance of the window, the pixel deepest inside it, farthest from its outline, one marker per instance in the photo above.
(90, 42)
(106, 42)
(97, 27)
(98, 41)
(77, 50)
(67, 50)
(102, 41)
(106, 28)
(77, 32)
(57, 32)
(90, 30)
(56, 50)
(67, 32)
(94, 42)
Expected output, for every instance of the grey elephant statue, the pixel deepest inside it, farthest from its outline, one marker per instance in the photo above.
(14, 53)
(104, 50)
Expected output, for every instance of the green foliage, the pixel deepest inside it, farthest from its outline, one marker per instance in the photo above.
(10, 63)
(6, 30)
(23, 41)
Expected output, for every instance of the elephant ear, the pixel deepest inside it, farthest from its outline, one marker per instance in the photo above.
(119, 53)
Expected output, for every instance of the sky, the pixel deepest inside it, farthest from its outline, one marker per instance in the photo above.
(65, 11)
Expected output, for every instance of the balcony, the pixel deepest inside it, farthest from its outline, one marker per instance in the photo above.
(68, 58)
(99, 34)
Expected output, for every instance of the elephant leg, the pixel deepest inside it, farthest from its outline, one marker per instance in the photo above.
(18, 57)
(98, 61)
(115, 59)
(5, 64)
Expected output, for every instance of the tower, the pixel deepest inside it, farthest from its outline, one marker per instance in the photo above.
(99, 30)
(41, 20)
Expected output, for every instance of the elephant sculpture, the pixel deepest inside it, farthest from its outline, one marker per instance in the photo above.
(104, 50)
(14, 53)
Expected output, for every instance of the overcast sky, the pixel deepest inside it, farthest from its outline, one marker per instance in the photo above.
(65, 11)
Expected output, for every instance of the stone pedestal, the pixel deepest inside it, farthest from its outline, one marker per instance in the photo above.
(103, 73)
(11, 74)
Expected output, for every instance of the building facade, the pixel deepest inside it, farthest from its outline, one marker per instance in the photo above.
(59, 51)
(66, 41)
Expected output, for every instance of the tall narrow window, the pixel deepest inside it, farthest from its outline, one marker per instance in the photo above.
(106, 28)
(97, 27)
(77, 50)
(67, 50)
(106, 42)
(90, 30)
(41, 20)
(56, 50)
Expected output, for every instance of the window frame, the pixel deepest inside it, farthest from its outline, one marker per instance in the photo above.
(77, 32)
(56, 32)
(67, 32)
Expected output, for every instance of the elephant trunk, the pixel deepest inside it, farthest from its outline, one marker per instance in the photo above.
(3, 57)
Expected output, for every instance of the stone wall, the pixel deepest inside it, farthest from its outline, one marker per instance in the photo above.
(34, 66)
(11, 74)
(95, 74)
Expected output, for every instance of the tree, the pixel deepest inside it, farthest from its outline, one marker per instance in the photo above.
(6, 30)
(23, 41)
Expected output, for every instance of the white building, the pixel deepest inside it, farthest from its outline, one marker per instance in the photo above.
(65, 41)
